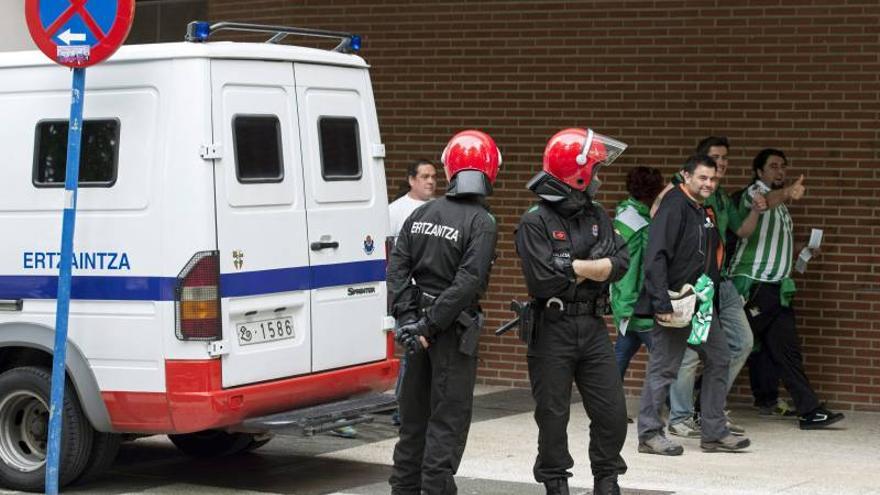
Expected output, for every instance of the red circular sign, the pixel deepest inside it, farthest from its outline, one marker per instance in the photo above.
(79, 33)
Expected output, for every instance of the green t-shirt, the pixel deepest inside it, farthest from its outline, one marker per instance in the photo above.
(767, 254)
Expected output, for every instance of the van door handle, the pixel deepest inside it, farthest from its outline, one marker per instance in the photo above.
(10, 304)
(317, 246)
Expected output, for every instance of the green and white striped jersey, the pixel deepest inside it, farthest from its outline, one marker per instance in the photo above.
(766, 255)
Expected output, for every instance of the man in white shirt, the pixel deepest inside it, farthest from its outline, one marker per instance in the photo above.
(422, 178)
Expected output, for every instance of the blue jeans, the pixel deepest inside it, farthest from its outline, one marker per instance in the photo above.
(732, 318)
(627, 345)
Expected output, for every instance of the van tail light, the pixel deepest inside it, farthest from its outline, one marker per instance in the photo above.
(198, 298)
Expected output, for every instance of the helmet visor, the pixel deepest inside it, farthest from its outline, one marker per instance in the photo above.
(603, 149)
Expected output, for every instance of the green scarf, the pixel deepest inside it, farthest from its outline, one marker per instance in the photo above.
(702, 320)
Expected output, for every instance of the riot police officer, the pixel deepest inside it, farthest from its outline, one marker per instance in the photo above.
(570, 254)
(439, 269)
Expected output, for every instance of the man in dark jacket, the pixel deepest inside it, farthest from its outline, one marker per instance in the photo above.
(684, 247)
(569, 255)
(439, 270)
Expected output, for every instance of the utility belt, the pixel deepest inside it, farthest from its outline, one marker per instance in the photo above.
(467, 327)
(530, 313)
(554, 309)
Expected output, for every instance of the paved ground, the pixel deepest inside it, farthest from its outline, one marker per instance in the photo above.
(499, 457)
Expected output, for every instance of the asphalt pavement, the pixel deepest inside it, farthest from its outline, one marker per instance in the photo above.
(499, 458)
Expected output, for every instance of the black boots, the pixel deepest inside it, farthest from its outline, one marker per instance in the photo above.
(558, 486)
(606, 486)
(601, 486)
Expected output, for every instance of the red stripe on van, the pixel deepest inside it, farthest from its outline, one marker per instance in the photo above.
(195, 400)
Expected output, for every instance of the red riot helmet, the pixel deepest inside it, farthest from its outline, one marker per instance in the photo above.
(573, 156)
(471, 150)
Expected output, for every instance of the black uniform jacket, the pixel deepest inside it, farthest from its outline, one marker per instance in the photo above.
(447, 246)
(683, 243)
(552, 235)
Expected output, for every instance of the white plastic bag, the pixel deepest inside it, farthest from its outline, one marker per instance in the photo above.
(683, 304)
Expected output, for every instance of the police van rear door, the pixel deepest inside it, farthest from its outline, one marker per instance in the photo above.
(261, 222)
(347, 214)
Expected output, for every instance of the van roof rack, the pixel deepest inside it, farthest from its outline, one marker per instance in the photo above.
(200, 31)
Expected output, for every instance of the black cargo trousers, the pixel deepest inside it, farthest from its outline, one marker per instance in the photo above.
(436, 400)
(576, 347)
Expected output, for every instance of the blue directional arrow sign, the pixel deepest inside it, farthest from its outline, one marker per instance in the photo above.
(79, 33)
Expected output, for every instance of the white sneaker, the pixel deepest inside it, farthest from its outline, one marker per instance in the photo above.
(687, 429)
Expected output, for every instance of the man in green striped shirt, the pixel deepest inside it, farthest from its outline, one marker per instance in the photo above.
(760, 270)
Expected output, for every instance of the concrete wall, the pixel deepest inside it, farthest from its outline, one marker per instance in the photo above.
(13, 28)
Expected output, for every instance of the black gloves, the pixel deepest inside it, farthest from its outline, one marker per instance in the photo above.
(564, 264)
(408, 334)
(604, 248)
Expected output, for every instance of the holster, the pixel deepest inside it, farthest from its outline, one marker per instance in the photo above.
(468, 329)
(467, 325)
(528, 329)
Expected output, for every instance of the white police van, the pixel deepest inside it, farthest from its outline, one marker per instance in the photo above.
(229, 258)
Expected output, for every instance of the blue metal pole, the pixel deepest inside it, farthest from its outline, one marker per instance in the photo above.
(71, 181)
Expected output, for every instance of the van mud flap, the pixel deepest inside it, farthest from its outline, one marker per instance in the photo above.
(325, 417)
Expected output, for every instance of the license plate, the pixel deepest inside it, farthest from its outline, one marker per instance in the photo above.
(257, 332)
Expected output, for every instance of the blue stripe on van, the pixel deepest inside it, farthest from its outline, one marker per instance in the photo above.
(264, 281)
(89, 287)
(358, 272)
(162, 288)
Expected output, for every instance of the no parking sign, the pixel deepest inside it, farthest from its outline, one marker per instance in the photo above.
(79, 33)
(76, 34)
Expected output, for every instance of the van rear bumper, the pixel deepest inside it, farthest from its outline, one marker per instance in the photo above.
(195, 399)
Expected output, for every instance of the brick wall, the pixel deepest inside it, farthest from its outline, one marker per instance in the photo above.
(800, 75)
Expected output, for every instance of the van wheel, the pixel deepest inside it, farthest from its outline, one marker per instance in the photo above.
(24, 430)
(105, 447)
(211, 443)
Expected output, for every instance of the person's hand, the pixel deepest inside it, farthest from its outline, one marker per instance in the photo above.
(665, 317)
(413, 335)
(602, 249)
(759, 203)
(796, 190)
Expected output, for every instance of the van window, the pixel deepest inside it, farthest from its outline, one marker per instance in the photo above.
(257, 141)
(340, 149)
(98, 156)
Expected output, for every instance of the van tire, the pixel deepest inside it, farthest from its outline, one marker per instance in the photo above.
(25, 394)
(211, 443)
(105, 447)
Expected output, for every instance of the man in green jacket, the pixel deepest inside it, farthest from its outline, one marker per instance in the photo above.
(631, 222)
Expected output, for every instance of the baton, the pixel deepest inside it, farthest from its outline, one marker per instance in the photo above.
(507, 326)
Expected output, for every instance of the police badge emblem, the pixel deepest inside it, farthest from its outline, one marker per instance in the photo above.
(238, 259)
(369, 245)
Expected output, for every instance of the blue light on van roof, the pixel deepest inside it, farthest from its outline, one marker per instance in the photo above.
(198, 31)
(355, 43)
